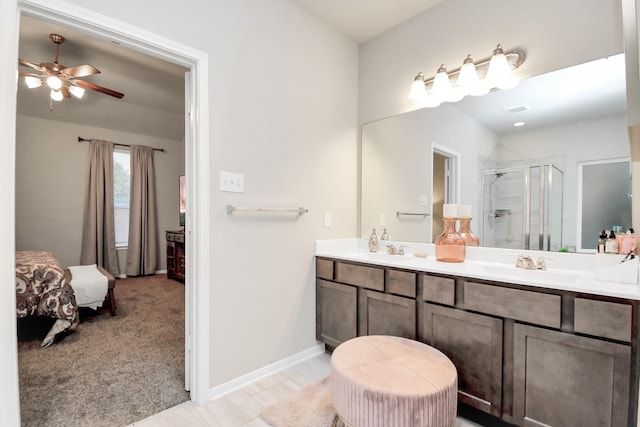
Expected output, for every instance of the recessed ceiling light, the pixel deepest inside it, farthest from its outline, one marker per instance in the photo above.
(518, 124)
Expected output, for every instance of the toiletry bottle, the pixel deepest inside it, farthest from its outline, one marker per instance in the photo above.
(464, 217)
(611, 245)
(602, 241)
(450, 247)
(385, 235)
(373, 242)
(628, 243)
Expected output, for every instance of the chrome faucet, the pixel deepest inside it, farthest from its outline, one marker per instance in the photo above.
(526, 262)
(392, 250)
(541, 264)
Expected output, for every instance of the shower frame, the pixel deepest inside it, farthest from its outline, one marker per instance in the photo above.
(545, 202)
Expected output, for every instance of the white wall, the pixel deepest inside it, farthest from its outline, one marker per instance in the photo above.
(553, 34)
(397, 167)
(51, 174)
(283, 99)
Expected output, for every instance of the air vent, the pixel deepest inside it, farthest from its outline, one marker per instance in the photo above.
(517, 109)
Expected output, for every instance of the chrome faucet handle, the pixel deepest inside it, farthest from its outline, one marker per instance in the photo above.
(401, 249)
(541, 264)
(520, 261)
(392, 250)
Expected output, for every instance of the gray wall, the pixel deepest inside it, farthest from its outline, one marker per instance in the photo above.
(51, 174)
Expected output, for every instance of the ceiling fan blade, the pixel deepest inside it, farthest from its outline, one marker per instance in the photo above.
(88, 85)
(81, 71)
(31, 65)
(65, 91)
(39, 76)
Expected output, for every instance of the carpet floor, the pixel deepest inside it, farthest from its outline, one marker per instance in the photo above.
(111, 371)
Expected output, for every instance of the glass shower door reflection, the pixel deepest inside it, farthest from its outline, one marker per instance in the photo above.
(503, 209)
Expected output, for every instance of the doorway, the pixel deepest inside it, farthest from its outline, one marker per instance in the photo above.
(196, 170)
(444, 185)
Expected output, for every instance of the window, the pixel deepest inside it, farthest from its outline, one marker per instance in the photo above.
(121, 189)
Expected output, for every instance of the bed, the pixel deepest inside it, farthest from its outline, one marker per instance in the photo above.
(42, 289)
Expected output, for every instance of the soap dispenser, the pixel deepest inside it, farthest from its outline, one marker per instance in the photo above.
(611, 245)
(373, 242)
(385, 235)
(602, 241)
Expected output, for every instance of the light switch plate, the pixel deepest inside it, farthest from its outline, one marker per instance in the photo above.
(327, 219)
(231, 182)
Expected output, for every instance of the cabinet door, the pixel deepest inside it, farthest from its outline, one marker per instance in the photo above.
(336, 312)
(569, 380)
(473, 342)
(384, 314)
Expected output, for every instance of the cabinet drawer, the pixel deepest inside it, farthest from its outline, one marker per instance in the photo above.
(401, 283)
(604, 319)
(439, 289)
(527, 306)
(324, 269)
(360, 275)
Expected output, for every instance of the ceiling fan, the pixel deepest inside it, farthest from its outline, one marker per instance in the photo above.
(63, 81)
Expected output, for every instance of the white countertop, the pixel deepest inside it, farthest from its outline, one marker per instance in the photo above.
(565, 271)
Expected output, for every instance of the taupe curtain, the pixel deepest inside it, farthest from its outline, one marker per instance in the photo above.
(98, 231)
(142, 254)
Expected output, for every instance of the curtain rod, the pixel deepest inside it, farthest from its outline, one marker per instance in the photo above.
(81, 139)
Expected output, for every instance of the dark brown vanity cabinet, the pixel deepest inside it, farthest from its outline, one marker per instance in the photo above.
(568, 380)
(336, 312)
(473, 342)
(528, 355)
(385, 314)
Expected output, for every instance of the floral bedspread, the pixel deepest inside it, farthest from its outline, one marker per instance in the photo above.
(42, 290)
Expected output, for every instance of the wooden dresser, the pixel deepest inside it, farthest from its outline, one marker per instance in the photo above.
(175, 254)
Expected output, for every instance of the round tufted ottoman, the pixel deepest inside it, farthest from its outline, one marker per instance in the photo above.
(384, 381)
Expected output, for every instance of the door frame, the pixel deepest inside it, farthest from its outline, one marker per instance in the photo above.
(197, 159)
(452, 185)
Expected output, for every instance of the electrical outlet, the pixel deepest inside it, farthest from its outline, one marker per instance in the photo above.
(231, 182)
(424, 200)
(383, 219)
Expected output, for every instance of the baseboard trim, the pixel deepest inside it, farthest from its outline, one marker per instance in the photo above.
(244, 380)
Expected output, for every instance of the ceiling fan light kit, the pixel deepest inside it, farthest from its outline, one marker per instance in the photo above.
(63, 81)
(473, 78)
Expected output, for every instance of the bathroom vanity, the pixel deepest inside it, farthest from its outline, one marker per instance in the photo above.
(533, 348)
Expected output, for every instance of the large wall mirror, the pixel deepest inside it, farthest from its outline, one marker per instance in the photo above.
(522, 182)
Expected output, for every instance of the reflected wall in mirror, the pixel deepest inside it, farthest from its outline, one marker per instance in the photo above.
(572, 115)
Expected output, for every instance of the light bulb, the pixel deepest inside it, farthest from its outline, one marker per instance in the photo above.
(418, 89)
(468, 76)
(441, 83)
(56, 95)
(76, 91)
(54, 82)
(32, 82)
(499, 67)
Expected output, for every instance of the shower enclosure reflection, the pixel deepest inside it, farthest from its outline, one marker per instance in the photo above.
(522, 208)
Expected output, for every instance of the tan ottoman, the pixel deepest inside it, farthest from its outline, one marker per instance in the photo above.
(384, 381)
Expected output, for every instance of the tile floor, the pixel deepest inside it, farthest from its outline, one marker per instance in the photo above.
(242, 407)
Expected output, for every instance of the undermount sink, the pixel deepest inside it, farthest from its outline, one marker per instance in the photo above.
(537, 275)
(378, 256)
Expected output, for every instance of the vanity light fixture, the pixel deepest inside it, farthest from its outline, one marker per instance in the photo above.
(473, 78)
